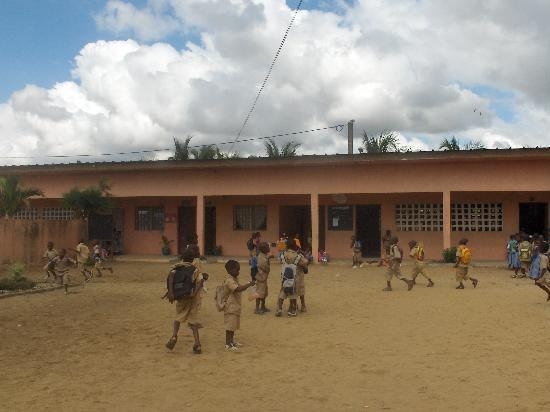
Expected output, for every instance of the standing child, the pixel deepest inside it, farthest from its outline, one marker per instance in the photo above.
(294, 262)
(261, 278)
(463, 259)
(525, 254)
(232, 308)
(60, 266)
(47, 257)
(356, 250)
(543, 280)
(281, 246)
(513, 246)
(417, 253)
(188, 305)
(394, 268)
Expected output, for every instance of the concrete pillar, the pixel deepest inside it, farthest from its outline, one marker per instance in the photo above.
(314, 225)
(446, 219)
(200, 222)
(350, 136)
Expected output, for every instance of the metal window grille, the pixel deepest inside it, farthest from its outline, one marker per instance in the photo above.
(249, 218)
(57, 213)
(419, 217)
(149, 218)
(477, 217)
(27, 214)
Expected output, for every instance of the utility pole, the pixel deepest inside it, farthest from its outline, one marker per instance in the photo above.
(350, 136)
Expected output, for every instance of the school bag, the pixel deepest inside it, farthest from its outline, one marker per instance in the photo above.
(466, 256)
(180, 282)
(288, 273)
(220, 298)
(524, 254)
(400, 253)
(250, 244)
(420, 252)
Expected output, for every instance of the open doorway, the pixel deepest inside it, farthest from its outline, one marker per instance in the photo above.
(533, 218)
(187, 227)
(367, 225)
(296, 220)
(210, 231)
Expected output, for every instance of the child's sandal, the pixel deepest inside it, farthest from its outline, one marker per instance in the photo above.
(172, 342)
(197, 350)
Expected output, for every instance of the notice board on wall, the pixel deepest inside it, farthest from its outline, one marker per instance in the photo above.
(340, 218)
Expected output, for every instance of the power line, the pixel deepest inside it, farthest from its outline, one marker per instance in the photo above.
(338, 128)
(267, 75)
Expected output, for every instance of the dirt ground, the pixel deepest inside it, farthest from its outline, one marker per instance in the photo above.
(101, 348)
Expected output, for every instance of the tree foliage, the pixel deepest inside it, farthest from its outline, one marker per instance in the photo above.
(289, 149)
(387, 141)
(94, 199)
(454, 144)
(13, 196)
(181, 149)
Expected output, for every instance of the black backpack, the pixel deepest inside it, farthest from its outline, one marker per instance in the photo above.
(250, 244)
(180, 283)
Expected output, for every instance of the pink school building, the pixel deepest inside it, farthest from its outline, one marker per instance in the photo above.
(436, 197)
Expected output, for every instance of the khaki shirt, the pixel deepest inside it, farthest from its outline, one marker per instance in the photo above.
(233, 303)
(50, 254)
(263, 267)
(61, 266)
(395, 253)
(82, 253)
(290, 257)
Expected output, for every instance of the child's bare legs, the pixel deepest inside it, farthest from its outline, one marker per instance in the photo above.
(173, 340)
(229, 335)
(262, 306)
(258, 310)
(303, 303)
(279, 307)
(197, 346)
(293, 307)
(545, 288)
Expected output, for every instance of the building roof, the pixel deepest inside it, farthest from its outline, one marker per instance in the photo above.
(460, 156)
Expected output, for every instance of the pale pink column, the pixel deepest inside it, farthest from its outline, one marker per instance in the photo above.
(200, 222)
(314, 225)
(446, 219)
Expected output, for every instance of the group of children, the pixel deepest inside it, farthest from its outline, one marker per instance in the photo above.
(528, 258)
(58, 264)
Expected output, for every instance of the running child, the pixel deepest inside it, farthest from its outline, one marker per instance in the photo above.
(232, 307)
(417, 253)
(463, 259)
(187, 307)
(98, 259)
(394, 269)
(47, 257)
(60, 266)
(83, 260)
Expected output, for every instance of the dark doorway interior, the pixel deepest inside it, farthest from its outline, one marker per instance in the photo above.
(210, 231)
(187, 227)
(533, 218)
(100, 227)
(322, 228)
(296, 219)
(367, 223)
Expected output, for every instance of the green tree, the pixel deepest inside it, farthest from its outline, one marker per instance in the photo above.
(387, 141)
(181, 149)
(94, 199)
(13, 196)
(474, 145)
(450, 144)
(205, 152)
(289, 149)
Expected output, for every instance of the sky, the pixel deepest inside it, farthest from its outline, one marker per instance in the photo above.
(96, 77)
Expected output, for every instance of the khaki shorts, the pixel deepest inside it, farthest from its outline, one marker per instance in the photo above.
(187, 310)
(62, 278)
(461, 273)
(231, 322)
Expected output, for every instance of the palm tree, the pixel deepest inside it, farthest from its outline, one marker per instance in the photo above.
(181, 149)
(205, 152)
(474, 145)
(94, 199)
(387, 141)
(12, 196)
(289, 149)
(450, 144)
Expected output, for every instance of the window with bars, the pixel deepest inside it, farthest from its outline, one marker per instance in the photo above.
(57, 213)
(249, 217)
(476, 217)
(149, 218)
(31, 213)
(419, 217)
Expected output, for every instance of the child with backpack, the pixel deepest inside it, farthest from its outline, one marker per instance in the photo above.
(232, 306)
(264, 268)
(184, 284)
(394, 269)
(293, 269)
(543, 278)
(416, 251)
(463, 260)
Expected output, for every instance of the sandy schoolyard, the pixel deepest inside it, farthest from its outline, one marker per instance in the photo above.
(101, 348)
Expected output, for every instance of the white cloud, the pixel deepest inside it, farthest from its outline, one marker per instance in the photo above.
(404, 65)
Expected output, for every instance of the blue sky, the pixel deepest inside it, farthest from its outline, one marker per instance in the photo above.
(419, 68)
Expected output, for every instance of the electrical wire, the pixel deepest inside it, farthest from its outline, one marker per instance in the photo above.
(338, 128)
(267, 75)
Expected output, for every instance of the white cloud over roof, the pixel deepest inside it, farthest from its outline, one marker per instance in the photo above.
(417, 67)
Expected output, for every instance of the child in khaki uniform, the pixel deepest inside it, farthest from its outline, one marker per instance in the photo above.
(232, 307)
(417, 253)
(394, 268)
(60, 266)
(543, 281)
(261, 278)
(462, 264)
(291, 255)
(82, 260)
(188, 307)
(525, 254)
(47, 257)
